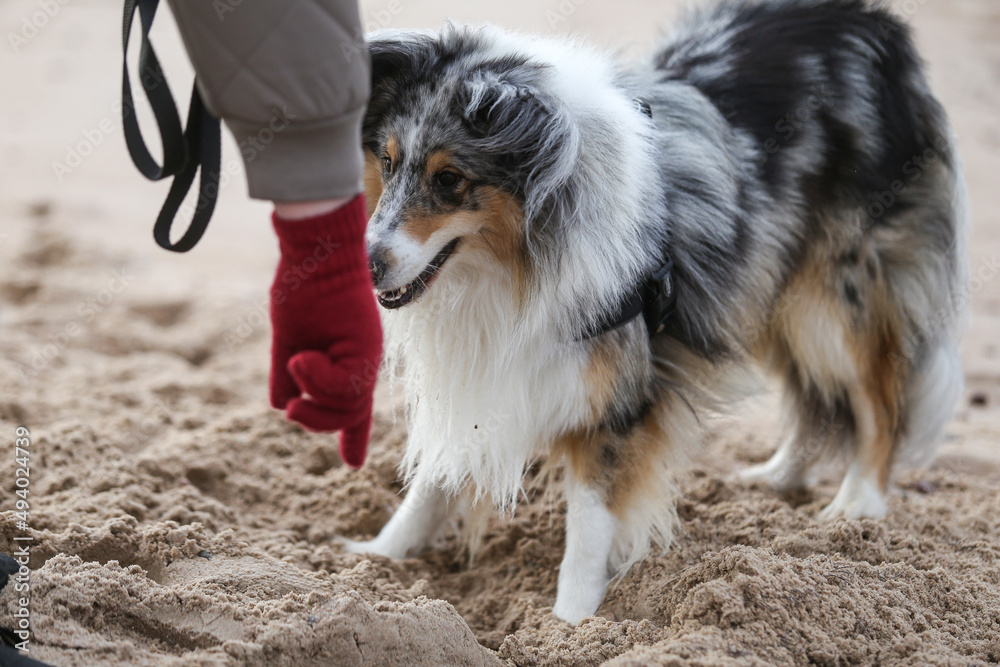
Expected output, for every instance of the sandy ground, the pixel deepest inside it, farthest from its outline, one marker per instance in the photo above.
(178, 520)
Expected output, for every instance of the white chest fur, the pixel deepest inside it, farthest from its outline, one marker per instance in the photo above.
(487, 384)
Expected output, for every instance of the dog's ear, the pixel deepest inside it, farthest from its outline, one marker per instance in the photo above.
(509, 117)
(501, 102)
(395, 58)
(396, 54)
(530, 136)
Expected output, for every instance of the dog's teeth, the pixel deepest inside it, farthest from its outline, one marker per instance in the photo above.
(402, 290)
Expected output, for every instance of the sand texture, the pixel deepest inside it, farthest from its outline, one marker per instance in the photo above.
(177, 519)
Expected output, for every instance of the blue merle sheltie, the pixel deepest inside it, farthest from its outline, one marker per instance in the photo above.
(579, 259)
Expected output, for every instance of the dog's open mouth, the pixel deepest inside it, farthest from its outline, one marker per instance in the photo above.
(399, 297)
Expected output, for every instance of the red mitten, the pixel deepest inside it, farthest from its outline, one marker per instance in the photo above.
(327, 337)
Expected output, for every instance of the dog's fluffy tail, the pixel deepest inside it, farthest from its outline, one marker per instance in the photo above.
(937, 382)
(934, 390)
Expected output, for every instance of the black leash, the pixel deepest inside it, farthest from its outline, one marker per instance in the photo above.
(199, 145)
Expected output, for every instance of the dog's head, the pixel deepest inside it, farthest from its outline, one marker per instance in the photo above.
(457, 137)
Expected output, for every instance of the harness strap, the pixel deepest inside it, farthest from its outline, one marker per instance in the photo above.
(654, 298)
(200, 144)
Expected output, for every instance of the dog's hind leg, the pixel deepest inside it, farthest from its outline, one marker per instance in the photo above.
(876, 387)
(788, 467)
(934, 389)
(785, 470)
(819, 426)
(901, 407)
(862, 491)
(413, 526)
(839, 349)
(818, 419)
(590, 531)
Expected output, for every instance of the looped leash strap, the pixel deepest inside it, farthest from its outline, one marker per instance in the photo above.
(200, 144)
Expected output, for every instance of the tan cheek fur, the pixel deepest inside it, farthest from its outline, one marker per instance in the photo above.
(500, 219)
(373, 181)
(499, 222)
(420, 227)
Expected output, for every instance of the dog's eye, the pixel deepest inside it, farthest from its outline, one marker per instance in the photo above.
(387, 164)
(446, 179)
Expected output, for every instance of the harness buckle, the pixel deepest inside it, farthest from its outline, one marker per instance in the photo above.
(660, 298)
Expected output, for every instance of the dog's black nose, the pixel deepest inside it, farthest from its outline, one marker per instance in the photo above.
(378, 263)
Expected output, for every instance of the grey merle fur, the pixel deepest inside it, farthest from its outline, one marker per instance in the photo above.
(779, 124)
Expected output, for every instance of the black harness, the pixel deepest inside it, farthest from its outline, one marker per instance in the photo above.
(199, 144)
(654, 297)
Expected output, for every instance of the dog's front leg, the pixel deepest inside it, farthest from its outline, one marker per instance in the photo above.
(413, 526)
(584, 573)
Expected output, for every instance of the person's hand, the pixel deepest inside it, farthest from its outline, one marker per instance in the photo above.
(327, 337)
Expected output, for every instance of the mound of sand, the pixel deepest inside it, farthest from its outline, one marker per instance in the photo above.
(176, 519)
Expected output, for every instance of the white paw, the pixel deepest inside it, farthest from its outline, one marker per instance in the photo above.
(574, 608)
(761, 472)
(368, 547)
(772, 475)
(861, 500)
(579, 594)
